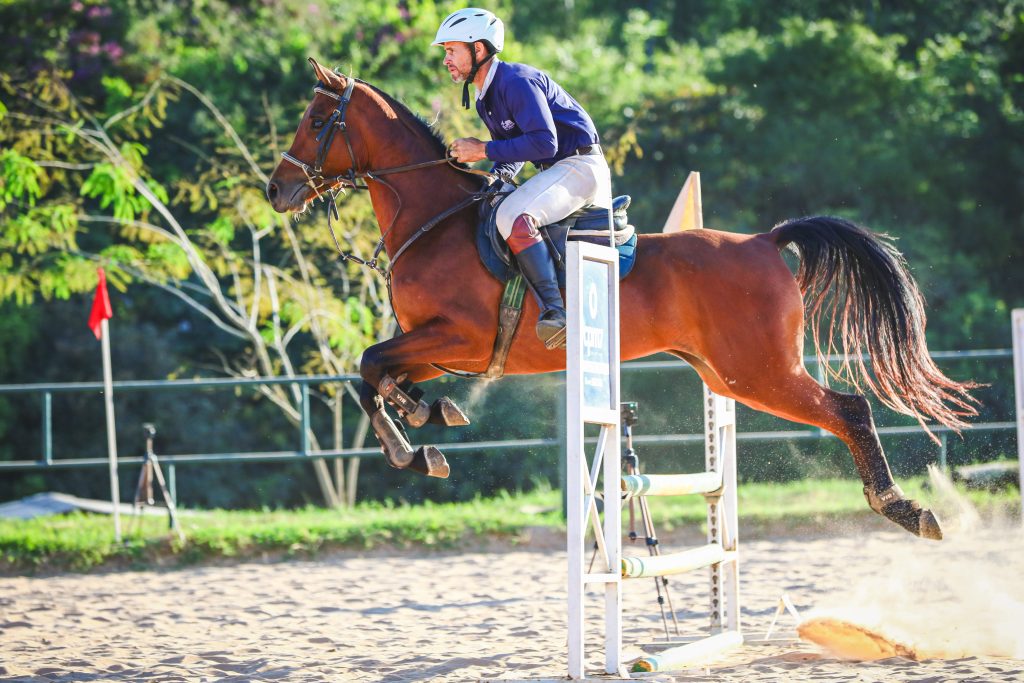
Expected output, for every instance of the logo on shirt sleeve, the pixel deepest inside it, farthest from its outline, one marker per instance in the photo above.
(508, 125)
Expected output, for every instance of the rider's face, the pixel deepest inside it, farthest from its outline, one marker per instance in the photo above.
(458, 60)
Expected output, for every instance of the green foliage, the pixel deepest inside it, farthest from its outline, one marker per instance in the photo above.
(908, 118)
(21, 180)
(81, 542)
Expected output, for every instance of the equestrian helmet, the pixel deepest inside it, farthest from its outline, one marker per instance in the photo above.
(470, 25)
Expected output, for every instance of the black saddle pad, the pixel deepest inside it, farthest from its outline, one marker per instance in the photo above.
(589, 224)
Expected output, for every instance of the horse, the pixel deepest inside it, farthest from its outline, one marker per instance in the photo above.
(724, 302)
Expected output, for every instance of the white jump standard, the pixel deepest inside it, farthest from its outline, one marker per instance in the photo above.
(592, 393)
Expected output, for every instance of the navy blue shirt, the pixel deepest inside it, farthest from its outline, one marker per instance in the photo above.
(531, 118)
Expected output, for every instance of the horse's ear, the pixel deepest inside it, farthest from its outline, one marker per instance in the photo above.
(326, 76)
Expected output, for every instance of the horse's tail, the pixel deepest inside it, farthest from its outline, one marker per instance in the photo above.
(874, 303)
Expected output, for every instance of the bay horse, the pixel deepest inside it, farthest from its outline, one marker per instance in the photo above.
(725, 303)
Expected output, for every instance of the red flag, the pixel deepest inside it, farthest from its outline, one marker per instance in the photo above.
(100, 305)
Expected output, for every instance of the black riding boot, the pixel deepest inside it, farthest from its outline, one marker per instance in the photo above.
(539, 270)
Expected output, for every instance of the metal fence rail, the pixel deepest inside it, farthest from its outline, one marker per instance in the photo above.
(46, 392)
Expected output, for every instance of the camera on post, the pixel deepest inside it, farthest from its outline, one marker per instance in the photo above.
(630, 412)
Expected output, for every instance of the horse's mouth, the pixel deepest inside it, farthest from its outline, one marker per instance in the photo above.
(297, 201)
(300, 206)
(300, 199)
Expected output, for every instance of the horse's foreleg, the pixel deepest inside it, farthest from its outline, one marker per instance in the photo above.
(394, 443)
(389, 370)
(406, 399)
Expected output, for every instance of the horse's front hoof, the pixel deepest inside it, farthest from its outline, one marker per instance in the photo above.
(430, 461)
(445, 412)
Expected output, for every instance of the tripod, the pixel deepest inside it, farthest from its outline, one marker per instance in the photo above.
(631, 465)
(144, 486)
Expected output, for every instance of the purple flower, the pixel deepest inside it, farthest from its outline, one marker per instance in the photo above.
(113, 50)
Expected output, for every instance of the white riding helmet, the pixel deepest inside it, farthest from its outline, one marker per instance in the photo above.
(470, 25)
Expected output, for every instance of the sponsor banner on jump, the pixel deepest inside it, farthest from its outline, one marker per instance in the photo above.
(596, 365)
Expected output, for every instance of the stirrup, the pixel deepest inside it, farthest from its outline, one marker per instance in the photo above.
(552, 336)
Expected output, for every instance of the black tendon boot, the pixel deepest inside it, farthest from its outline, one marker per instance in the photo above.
(539, 270)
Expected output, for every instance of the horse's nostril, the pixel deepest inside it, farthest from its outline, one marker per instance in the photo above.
(271, 191)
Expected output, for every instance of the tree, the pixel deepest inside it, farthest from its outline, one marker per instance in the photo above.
(216, 245)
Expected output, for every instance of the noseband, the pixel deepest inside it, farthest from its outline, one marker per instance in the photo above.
(321, 184)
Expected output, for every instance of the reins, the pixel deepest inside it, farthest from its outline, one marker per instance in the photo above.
(323, 186)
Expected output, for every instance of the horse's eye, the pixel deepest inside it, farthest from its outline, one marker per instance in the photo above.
(318, 124)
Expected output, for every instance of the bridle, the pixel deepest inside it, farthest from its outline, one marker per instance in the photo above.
(325, 185)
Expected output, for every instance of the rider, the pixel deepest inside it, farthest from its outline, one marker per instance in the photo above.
(530, 118)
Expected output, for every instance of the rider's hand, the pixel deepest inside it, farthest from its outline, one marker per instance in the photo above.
(468, 150)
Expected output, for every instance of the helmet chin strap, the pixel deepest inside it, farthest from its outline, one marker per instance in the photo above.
(472, 73)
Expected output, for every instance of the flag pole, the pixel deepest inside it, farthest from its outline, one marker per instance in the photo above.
(98, 316)
(108, 397)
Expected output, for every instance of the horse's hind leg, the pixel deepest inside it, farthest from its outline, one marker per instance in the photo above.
(793, 394)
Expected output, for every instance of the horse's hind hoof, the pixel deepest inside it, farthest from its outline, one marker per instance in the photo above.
(430, 461)
(929, 526)
(907, 513)
(445, 412)
(915, 519)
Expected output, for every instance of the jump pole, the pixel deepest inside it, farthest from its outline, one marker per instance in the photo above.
(592, 397)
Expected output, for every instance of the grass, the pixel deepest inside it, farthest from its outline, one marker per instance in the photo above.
(82, 542)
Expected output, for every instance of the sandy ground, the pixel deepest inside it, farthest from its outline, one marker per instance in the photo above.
(468, 616)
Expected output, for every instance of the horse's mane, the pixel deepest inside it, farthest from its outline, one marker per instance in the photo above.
(417, 122)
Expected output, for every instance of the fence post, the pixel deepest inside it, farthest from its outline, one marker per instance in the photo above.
(304, 422)
(172, 482)
(47, 428)
(1018, 374)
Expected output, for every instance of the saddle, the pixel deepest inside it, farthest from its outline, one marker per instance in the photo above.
(589, 224)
